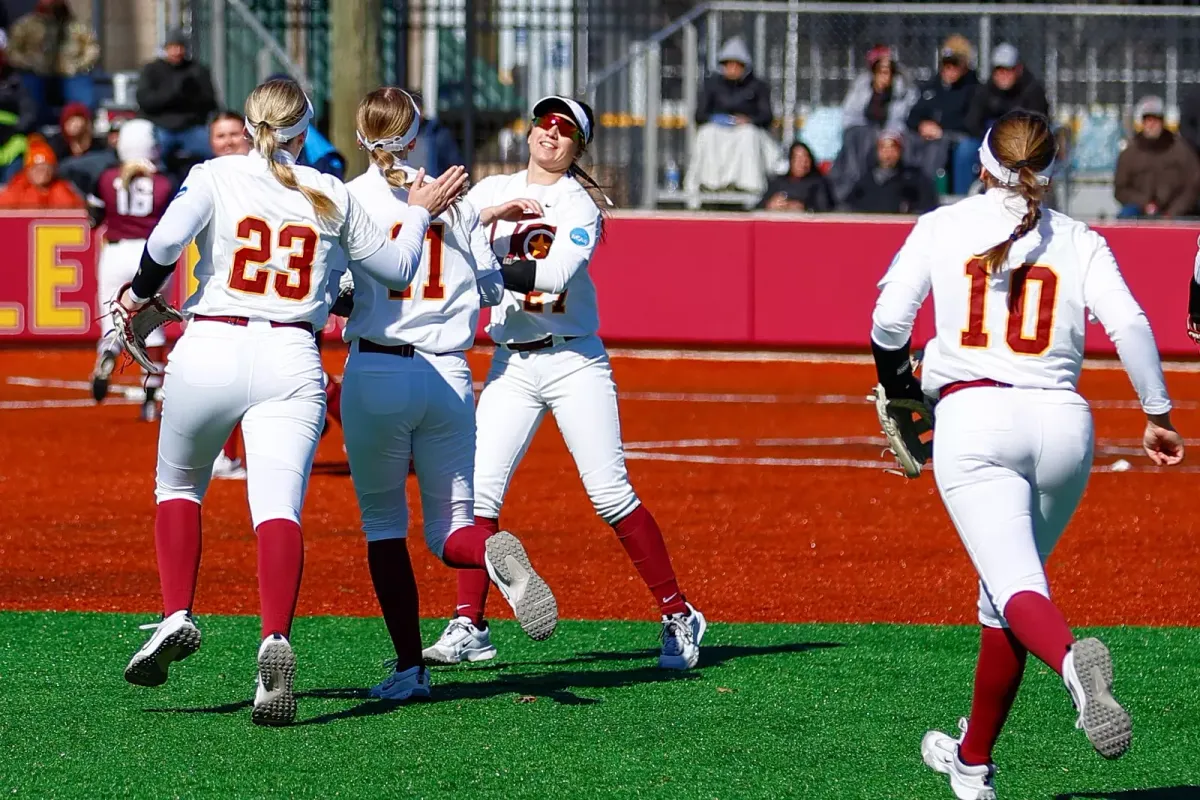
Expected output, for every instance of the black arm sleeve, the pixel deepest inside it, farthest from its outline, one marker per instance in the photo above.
(1194, 299)
(150, 276)
(894, 370)
(519, 276)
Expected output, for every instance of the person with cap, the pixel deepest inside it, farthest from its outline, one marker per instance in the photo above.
(733, 149)
(176, 94)
(1010, 87)
(544, 225)
(37, 186)
(18, 115)
(55, 53)
(938, 119)
(891, 186)
(878, 99)
(1158, 173)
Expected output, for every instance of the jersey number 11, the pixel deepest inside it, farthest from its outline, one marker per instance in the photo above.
(435, 240)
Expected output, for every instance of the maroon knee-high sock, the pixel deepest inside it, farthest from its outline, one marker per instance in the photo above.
(396, 590)
(280, 567)
(643, 541)
(997, 678)
(231, 444)
(464, 548)
(1039, 625)
(177, 545)
(473, 584)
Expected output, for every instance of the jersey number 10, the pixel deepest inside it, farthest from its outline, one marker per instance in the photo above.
(975, 336)
(435, 239)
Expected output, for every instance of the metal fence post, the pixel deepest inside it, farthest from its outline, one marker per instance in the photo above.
(791, 70)
(264, 64)
(760, 45)
(985, 46)
(713, 39)
(650, 132)
(691, 85)
(218, 49)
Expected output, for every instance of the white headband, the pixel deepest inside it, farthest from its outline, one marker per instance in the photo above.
(1006, 176)
(396, 144)
(292, 131)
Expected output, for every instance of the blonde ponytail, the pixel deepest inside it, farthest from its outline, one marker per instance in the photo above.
(131, 170)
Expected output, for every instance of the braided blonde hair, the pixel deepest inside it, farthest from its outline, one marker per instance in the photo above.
(273, 106)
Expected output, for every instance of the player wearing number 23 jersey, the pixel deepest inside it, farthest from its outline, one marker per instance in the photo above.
(544, 227)
(266, 230)
(1013, 285)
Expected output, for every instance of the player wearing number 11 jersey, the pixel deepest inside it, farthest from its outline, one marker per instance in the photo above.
(1013, 285)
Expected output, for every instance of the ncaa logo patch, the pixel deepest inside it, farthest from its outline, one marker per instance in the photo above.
(180, 193)
(580, 237)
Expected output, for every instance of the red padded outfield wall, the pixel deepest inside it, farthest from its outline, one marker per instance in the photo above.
(742, 280)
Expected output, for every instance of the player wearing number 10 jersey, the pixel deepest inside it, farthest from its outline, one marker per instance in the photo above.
(266, 230)
(1012, 287)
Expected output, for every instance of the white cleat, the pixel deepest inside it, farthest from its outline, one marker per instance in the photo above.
(101, 375)
(531, 599)
(175, 638)
(461, 641)
(1088, 674)
(681, 635)
(940, 753)
(274, 701)
(229, 468)
(411, 684)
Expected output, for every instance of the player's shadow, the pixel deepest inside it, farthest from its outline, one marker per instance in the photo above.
(555, 686)
(1162, 793)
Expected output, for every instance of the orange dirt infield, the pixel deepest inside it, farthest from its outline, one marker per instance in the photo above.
(721, 452)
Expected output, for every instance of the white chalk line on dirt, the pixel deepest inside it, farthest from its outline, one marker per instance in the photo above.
(21, 405)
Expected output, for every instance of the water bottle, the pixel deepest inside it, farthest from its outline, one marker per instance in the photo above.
(942, 183)
(672, 176)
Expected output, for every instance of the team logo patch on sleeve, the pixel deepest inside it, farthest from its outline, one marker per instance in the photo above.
(180, 193)
(580, 237)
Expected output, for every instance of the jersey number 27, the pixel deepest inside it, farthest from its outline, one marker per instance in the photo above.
(435, 240)
(1015, 330)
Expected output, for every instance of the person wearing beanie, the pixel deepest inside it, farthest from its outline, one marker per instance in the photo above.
(890, 186)
(177, 95)
(38, 186)
(938, 120)
(1158, 173)
(733, 149)
(75, 135)
(54, 52)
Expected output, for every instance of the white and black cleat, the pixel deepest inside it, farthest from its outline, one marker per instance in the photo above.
(274, 698)
(532, 601)
(175, 638)
(1088, 674)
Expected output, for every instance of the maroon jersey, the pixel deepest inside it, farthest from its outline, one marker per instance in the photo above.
(131, 212)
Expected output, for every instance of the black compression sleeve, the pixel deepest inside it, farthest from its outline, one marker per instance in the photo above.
(894, 370)
(150, 276)
(1194, 299)
(519, 276)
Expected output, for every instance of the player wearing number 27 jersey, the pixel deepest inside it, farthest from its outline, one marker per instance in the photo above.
(1013, 285)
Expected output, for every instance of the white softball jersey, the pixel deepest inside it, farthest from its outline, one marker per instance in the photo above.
(264, 253)
(439, 312)
(562, 241)
(1023, 326)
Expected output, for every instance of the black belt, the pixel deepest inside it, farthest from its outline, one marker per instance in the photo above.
(540, 344)
(402, 350)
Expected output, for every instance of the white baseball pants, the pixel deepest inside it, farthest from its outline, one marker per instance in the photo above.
(270, 380)
(423, 407)
(116, 267)
(574, 382)
(1011, 466)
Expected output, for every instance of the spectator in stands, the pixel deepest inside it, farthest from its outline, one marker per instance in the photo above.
(37, 186)
(177, 95)
(803, 188)
(82, 165)
(18, 115)
(1158, 173)
(54, 52)
(891, 186)
(939, 117)
(227, 135)
(733, 149)
(879, 99)
(75, 136)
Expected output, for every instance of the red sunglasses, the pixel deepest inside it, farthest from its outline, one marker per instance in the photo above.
(566, 126)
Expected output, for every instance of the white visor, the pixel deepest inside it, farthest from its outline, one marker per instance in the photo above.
(1006, 176)
(573, 108)
(292, 131)
(396, 144)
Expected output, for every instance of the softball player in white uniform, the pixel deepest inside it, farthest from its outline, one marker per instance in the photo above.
(407, 392)
(545, 226)
(265, 230)
(1013, 285)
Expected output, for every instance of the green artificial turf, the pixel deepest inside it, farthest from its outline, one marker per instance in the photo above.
(812, 711)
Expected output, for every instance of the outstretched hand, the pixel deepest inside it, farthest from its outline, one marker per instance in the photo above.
(1162, 442)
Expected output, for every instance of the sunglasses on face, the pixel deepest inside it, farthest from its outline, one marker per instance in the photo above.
(566, 126)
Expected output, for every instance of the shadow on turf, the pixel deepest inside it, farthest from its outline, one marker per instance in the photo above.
(554, 686)
(1164, 793)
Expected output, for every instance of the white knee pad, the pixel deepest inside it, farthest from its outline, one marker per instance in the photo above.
(383, 517)
(991, 606)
